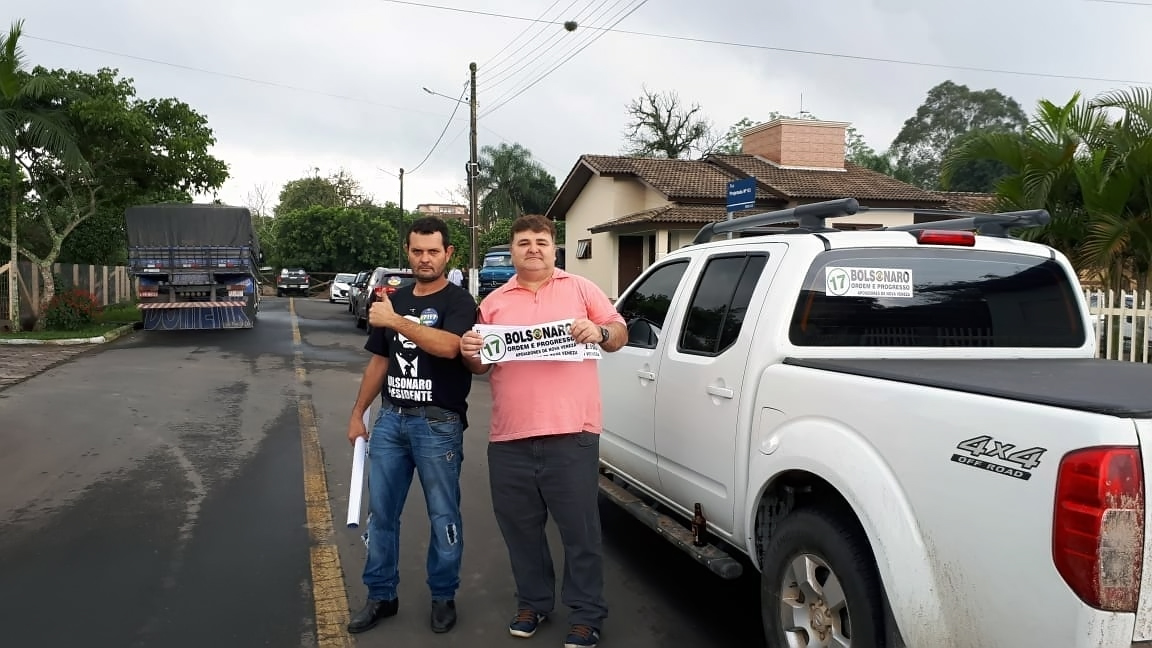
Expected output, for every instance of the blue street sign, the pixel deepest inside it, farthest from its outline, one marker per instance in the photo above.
(741, 194)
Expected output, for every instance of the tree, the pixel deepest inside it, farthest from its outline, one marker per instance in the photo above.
(1091, 171)
(28, 120)
(950, 114)
(510, 183)
(660, 125)
(137, 151)
(338, 239)
(337, 189)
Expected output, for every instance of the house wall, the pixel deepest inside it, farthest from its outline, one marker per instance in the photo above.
(595, 204)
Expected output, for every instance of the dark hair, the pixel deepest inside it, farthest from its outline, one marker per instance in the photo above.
(428, 225)
(532, 223)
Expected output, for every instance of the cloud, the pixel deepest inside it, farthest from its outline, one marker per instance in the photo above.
(339, 84)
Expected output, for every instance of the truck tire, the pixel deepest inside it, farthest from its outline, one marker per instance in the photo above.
(819, 585)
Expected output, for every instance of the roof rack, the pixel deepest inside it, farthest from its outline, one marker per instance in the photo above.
(998, 225)
(811, 219)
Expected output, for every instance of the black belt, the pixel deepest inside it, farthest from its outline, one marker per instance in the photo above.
(430, 412)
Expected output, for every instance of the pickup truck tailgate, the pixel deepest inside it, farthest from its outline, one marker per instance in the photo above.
(1143, 630)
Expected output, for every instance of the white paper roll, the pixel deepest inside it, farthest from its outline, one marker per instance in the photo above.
(356, 487)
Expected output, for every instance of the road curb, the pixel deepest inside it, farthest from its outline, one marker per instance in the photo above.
(100, 339)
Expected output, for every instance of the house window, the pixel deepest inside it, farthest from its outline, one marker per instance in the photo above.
(584, 249)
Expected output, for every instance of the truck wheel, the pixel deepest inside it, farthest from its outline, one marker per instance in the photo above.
(819, 585)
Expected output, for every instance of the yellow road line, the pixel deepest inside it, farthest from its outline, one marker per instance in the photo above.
(328, 593)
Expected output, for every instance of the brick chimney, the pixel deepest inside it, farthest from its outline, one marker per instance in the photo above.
(798, 143)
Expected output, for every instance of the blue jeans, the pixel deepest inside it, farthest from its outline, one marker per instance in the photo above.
(398, 444)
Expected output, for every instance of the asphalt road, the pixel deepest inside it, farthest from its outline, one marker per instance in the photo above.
(152, 493)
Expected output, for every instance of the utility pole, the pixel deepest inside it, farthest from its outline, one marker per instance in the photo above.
(400, 222)
(473, 272)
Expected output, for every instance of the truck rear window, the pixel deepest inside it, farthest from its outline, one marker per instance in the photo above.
(936, 298)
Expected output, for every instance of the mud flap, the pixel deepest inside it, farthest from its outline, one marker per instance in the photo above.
(197, 318)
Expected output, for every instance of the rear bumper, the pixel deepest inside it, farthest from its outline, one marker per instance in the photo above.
(179, 316)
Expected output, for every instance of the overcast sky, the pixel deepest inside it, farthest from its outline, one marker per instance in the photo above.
(339, 84)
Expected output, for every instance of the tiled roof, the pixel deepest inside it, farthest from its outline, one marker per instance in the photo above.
(853, 182)
(681, 214)
(676, 179)
(968, 201)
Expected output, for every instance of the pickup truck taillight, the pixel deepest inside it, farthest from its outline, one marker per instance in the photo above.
(1098, 526)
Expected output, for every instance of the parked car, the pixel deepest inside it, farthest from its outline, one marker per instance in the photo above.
(497, 269)
(382, 279)
(896, 427)
(338, 291)
(292, 280)
(355, 286)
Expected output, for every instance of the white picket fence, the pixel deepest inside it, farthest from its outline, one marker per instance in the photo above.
(1123, 324)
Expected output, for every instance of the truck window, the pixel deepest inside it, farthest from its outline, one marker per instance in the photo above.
(936, 298)
(646, 307)
(720, 303)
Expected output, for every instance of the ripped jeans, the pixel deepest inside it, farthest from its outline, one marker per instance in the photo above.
(398, 444)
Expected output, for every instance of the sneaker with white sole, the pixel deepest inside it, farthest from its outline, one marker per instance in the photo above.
(525, 623)
(582, 636)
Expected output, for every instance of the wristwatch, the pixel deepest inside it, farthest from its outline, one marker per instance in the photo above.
(604, 334)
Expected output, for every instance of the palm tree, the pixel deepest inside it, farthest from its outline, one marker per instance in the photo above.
(1117, 186)
(1089, 171)
(511, 183)
(26, 121)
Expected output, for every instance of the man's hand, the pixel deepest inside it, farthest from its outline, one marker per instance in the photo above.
(356, 429)
(382, 314)
(470, 344)
(585, 331)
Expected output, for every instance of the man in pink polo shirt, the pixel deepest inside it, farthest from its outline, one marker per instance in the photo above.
(544, 444)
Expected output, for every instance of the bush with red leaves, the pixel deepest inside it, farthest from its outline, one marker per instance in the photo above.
(70, 310)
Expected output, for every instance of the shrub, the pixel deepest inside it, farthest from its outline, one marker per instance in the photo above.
(121, 313)
(70, 310)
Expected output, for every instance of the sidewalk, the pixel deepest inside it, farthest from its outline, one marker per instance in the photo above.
(20, 362)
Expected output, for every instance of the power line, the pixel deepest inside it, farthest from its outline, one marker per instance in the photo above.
(445, 130)
(227, 75)
(1123, 2)
(539, 19)
(789, 50)
(540, 78)
(493, 80)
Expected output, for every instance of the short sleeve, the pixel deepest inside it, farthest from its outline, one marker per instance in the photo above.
(461, 316)
(600, 308)
(377, 341)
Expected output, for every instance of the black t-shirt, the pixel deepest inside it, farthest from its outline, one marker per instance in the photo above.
(416, 378)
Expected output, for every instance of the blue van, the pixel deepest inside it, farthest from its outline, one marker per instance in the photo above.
(497, 267)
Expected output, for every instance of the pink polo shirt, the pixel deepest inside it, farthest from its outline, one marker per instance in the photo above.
(540, 397)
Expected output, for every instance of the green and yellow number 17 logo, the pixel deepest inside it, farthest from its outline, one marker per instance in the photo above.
(493, 348)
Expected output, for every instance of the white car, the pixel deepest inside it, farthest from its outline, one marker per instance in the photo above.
(341, 284)
(906, 431)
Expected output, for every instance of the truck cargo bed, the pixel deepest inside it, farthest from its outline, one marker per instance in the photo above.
(1100, 386)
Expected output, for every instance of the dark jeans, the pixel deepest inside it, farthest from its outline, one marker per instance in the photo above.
(400, 443)
(531, 478)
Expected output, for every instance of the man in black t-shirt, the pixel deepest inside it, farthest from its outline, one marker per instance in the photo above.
(415, 369)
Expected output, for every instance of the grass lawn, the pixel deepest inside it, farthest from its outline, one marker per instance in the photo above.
(113, 316)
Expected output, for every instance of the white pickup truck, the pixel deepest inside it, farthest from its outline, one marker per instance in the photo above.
(906, 431)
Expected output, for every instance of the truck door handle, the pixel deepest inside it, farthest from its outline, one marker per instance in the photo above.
(722, 392)
(646, 375)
